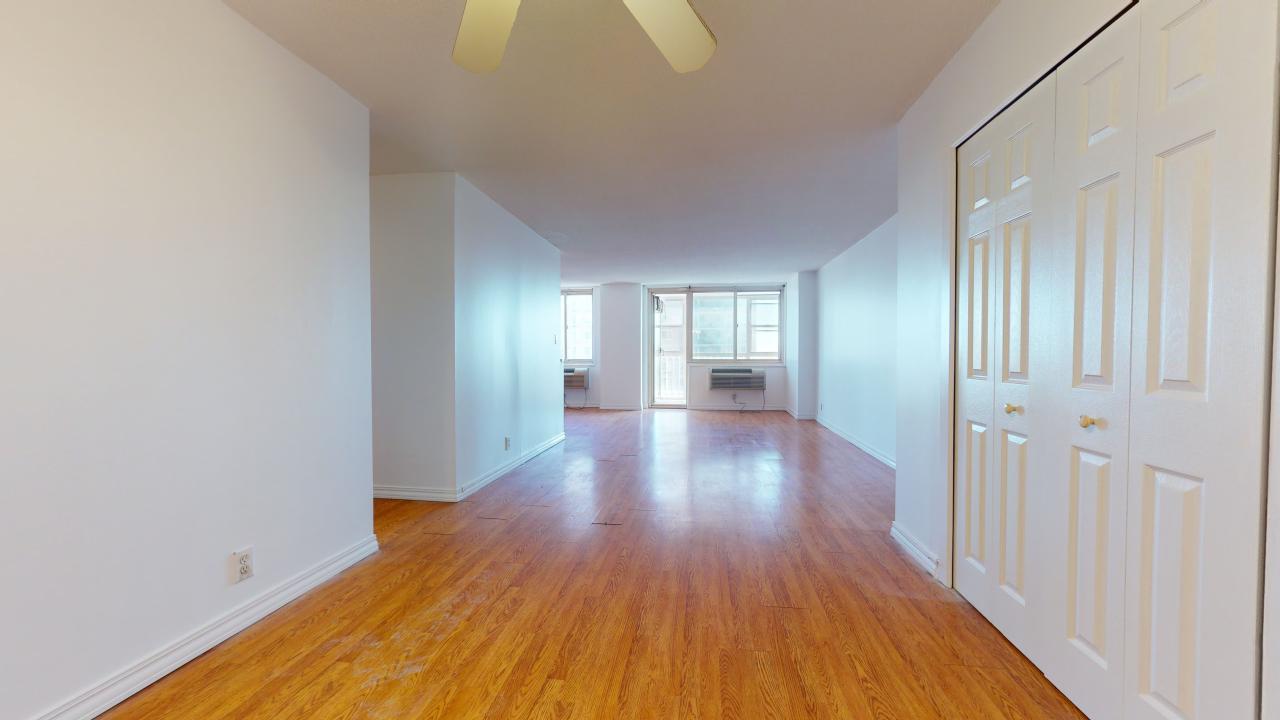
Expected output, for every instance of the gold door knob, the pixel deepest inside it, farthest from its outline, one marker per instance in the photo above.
(1087, 422)
(1011, 409)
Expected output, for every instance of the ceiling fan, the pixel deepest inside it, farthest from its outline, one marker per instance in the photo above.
(673, 25)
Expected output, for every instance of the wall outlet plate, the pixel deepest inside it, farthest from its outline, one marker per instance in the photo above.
(241, 565)
(506, 443)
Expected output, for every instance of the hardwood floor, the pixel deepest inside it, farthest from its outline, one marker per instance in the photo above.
(664, 564)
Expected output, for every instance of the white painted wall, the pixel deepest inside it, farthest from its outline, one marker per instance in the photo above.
(801, 353)
(590, 397)
(507, 329)
(857, 347)
(184, 292)
(466, 333)
(413, 334)
(702, 397)
(1014, 46)
(620, 381)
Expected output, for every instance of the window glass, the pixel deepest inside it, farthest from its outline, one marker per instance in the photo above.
(575, 309)
(713, 326)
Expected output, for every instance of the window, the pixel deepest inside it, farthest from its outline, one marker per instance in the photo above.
(758, 325)
(575, 318)
(737, 325)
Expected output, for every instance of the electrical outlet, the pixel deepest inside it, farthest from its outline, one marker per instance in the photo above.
(506, 443)
(242, 565)
(820, 406)
(735, 397)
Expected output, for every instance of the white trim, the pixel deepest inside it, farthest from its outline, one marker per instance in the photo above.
(405, 492)
(587, 406)
(619, 407)
(915, 549)
(738, 363)
(1271, 515)
(864, 447)
(110, 692)
(474, 485)
(748, 407)
(721, 287)
(798, 416)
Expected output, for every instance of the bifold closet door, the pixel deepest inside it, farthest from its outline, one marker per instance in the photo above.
(1083, 404)
(1112, 373)
(1004, 290)
(1201, 295)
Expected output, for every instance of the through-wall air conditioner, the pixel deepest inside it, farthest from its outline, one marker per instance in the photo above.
(737, 379)
(575, 378)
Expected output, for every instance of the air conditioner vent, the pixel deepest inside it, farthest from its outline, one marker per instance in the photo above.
(737, 379)
(575, 379)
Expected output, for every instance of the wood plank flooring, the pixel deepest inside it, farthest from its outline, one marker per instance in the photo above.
(664, 564)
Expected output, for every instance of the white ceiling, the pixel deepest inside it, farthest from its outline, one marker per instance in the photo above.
(775, 157)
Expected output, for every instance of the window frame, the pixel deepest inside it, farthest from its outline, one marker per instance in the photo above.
(736, 290)
(567, 361)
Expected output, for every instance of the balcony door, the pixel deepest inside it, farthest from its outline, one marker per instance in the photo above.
(670, 356)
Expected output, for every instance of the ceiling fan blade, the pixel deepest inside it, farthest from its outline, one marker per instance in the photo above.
(678, 31)
(482, 36)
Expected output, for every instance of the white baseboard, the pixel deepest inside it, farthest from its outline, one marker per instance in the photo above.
(110, 692)
(404, 492)
(798, 416)
(747, 407)
(567, 406)
(602, 406)
(864, 447)
(474, 485)
(915, 548)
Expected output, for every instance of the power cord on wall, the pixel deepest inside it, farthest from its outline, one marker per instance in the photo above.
(743, 406)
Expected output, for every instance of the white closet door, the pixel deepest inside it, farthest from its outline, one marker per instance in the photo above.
(1206, 149)
(1021, 284)
(978, 185)
(1005, 201)
(1081, 510)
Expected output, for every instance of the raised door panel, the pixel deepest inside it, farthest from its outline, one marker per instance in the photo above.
(1094, 340)
(1012, 541)
(1080, 514)
(1170, 539)
(1201, 291)
(1089, 549)
(1177, 269)
(976, 481)
(978, 302)
(1016, 290)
